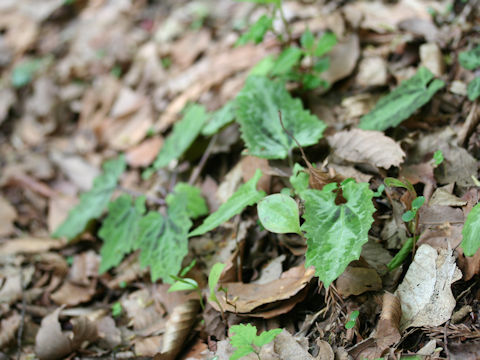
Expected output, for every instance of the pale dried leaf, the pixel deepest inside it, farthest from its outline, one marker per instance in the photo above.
(7, 216)
(108, 332)
(30, 245)
(148, 346)
(365, 146)
(343, 59)
(372, 71)
(387, 332)
(11, 290)
(51, 343)
(72, 294)
(357, 280)
(425, 293)
(8, 329)
(145, 153)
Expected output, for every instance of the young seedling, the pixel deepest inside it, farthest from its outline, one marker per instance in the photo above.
(245, 339)
(213, 278)
(352, 319)
(437, 158)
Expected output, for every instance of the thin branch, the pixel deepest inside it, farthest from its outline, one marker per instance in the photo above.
(198, 169)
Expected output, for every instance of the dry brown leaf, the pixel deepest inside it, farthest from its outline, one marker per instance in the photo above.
(250, 164)
(51, 343)
(432, 58)
(187, 49)
(387, 332)
(343, 59)
(366, 146)
(84, 268)
(58, 209)
(8, 329)
(245, 298)
(325, 351)
(15, 279)
(72, 294)
(148, 346)
(142, 312)
(145, 153)
(425, 293)
(7, 216)
(444, 197)
(30, 245)
(20, 31)
(372, 71)
(108, 332)
(77, 169)
(357, 280)
(178, 326)
(7, 99)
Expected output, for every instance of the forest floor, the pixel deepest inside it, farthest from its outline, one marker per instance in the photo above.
(133, 82)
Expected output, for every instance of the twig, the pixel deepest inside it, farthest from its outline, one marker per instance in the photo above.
(198, 169)
(309, 164)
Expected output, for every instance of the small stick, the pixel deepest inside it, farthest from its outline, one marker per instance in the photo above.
(198, 169)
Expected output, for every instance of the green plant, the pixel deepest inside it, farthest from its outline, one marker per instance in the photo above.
(117, 309)
(245, 339)
(352, 319)
(410, 217)
(471, 241)
(438, 158)
(402, 102)
(471, 60)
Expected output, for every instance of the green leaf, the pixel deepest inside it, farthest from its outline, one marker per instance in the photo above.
(278, 213)
(418, 202)
(256, 32)
(196, 205)
(438, 157)
(24, 72)
(311, 81)
(473, 89)
(392, 182)
(119, 230)
(402, 102)
(213, 278)
(93, 202)
(266, 336)
(335, 233)
(220, 118)
(353, 318)
(471, 229)
(299, 178)
(287, 59)
(263, 67)
(325, 44)
(307, 40)
(164, 241)
(401, 255)
(470, 59)
(183, 134)
(246, 195)
(408, 216)
(257, 112)
(183, 285)
(242, 337)
(117, 309)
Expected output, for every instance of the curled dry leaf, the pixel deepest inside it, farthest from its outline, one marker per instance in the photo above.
(343, 59)
(8, 329)
(72, 294)
(11, 290)
(30, 245)
(357, 280)
(245, 298)
(388, 332)
(51, 343)
(425, 293)
(7, 217)
(365, 146)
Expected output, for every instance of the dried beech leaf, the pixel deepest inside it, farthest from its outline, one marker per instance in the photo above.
(425, 292)
(365, 146)
(30, 245)
(72, 294)
(388, 332)
(8, 329)
(7, 217)
(51, 343)
(357, 280)
(178, 326)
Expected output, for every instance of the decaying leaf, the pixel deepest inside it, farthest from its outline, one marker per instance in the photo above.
(7, 217)
(356, 280)
(388, 332)
(30, 245)
(245, 298)
(425, 293)
(52, 343)
(8, 329)
(363, 146)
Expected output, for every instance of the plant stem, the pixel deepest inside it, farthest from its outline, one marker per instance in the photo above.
(287, 27)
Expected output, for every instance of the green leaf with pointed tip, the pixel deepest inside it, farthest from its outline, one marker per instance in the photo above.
(220, 118)
(335, 233)
(278, 213)
(307, 40)
(243, 336)
(325, 44)
(299, 178)
(246, 195)
(471, 241)
(93, 202)
(473, 89)
(402, 102)
(256, 32)
(183, 285)
(287, 59)
(408, 215)
(213, 278)
(470, 59)
(196, 205)
(163, 241)
(263, 67)
(257, 113)
(119, 230)
(183, 134)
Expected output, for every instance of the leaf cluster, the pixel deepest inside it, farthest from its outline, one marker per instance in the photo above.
(245, 339)
(471, 60)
